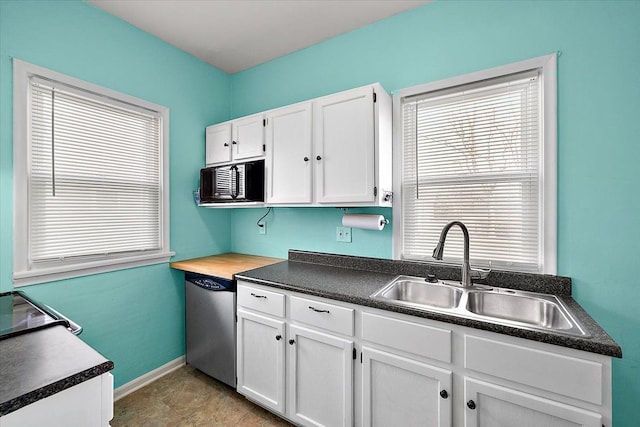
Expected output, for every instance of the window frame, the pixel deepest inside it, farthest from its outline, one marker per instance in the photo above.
(548, 215)
(27, 273)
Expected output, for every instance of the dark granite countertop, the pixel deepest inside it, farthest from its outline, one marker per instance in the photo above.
(354, 279)
(41, 363)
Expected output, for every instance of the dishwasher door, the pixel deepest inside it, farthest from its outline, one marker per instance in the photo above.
(210, 326)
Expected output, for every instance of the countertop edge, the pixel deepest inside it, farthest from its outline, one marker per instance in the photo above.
(599, 342)
(19, 402)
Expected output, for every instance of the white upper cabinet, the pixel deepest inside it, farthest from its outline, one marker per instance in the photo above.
(235, 140)
(248, 137)
(289, 166)
(345, 147)
(218, 144)
(329, 151)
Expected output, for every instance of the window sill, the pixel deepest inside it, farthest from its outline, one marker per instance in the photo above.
(43, 275)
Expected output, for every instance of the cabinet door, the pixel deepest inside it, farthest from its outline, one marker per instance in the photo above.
(491, 405)
(345, 147)
(89, 403)
(248, 137)
(403, 392)
(320, 378)
(261, 359)
(288, 140)
(218, 144)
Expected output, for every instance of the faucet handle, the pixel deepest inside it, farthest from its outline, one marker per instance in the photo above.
(479, 273)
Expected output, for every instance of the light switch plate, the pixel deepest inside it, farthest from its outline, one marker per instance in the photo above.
(343, 234)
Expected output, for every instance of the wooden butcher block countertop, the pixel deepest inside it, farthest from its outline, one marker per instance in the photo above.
(224, 265)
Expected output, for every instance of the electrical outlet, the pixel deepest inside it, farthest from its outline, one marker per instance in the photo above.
(263, 229)
(343, 234)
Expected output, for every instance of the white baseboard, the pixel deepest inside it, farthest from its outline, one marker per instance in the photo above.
(148, 378)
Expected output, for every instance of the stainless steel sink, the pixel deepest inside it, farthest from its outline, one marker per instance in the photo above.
(540, 311)
(421, 293)
(520, 309)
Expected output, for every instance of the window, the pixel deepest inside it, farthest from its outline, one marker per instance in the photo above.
(480, 149)
(90, 178)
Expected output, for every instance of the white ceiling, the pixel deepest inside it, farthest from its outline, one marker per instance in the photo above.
(234, 35)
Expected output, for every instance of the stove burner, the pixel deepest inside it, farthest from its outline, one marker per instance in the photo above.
(19, 315)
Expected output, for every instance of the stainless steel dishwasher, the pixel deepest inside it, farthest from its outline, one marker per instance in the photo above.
(211, 326)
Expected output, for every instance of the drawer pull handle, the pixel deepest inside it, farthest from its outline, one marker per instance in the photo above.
(317, 310)
(258, 296)
(278, 337)
(471, 404)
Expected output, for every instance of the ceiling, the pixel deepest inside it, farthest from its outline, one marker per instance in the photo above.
(234, 35)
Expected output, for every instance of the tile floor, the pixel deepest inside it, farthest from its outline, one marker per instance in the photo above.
(187, 397)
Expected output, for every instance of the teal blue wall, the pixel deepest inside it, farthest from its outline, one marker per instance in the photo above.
(311, 229)
(598, 148)
(134, 317)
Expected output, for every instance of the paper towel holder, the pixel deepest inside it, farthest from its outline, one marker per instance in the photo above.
(365, 221)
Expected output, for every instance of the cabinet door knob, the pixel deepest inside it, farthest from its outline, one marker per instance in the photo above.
(226, 144)
(278, 337)
(444, 394)
(318, 158)
(306, 159)
(471, 404)
(234, 142)
(292, 342)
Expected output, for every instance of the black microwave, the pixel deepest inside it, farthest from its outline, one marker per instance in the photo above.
(240, 182)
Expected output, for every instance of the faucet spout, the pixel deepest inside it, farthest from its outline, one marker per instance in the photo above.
(439, 250)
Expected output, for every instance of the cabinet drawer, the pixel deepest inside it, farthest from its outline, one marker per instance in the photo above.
(322, 315)
(415, 338)
(565, 375)
(261, 300)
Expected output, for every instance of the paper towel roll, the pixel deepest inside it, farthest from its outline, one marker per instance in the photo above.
(369, 222)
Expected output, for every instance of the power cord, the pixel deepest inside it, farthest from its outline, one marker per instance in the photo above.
(263, 217)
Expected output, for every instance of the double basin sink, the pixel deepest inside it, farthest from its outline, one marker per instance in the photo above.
(520, 309)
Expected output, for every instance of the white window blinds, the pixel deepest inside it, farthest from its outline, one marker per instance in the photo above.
(95, 184)
(472, 153)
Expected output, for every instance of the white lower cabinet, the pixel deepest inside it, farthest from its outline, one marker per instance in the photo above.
(89, 403)
(320, 378)
(491, 405)
(260, 359)
(397, 391)
(348, 365)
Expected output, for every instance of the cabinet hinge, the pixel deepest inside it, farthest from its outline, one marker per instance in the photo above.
(264, 147)
(355, 354)
(264, 122)
(375, 97)
(375, 191)
(360, 357)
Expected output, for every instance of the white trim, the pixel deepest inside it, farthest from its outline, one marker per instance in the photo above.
(548, 66)
(550, 164)
(24, 273)
(397, 156)
(68, 272)
(148, 378)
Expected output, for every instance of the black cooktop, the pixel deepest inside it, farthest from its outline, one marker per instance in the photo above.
(19, 314)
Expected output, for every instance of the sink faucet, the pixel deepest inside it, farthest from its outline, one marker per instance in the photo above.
(468, 273)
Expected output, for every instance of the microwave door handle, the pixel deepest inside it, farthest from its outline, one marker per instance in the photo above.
(237, 182)
(234, 186)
